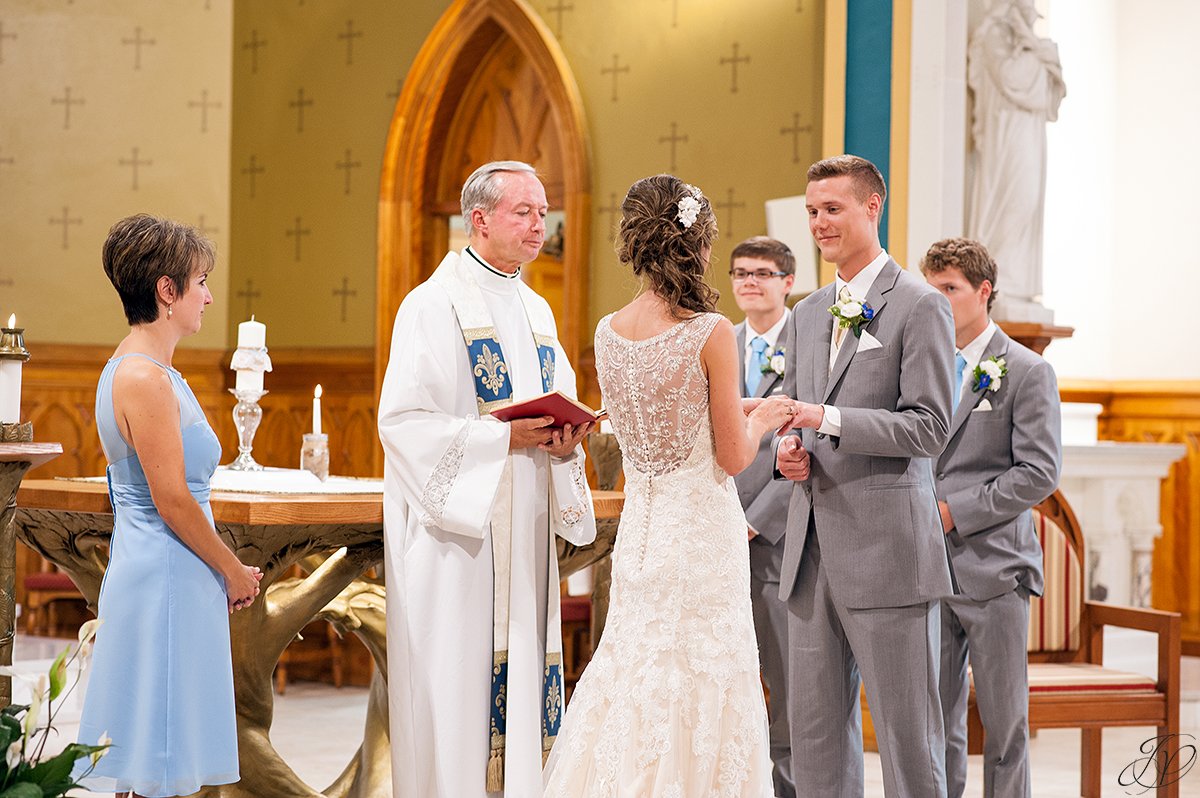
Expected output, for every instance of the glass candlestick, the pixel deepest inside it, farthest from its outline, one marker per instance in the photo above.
(246, 417)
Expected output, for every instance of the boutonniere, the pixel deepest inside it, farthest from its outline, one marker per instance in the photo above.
(852, 314)
(776, 363)
(989, 374)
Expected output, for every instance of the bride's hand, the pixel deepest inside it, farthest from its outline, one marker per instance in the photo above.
(773, 413)
(749, 405)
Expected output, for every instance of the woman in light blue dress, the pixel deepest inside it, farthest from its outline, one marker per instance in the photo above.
(161, 682)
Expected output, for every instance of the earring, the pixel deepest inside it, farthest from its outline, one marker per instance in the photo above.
(170, 310)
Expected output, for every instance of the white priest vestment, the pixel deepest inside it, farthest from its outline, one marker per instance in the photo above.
(442, 471)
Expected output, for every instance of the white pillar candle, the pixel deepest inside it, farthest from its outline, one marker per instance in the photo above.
(10, 385)
(317, 411)
(252, 335)
(249, 380)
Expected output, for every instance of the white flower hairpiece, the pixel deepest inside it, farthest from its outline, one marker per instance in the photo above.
(689, 207)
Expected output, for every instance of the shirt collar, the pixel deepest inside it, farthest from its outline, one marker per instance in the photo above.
(771, 335)
(861, 283)
(489, 267)
(973, 352)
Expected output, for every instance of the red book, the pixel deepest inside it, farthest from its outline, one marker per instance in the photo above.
(556, 403)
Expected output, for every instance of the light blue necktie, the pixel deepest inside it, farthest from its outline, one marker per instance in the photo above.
(960, 363)
(758, 359)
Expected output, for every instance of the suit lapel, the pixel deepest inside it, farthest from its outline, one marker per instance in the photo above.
(876, 298)
(996, 347)
(741, 347)
(820, 351)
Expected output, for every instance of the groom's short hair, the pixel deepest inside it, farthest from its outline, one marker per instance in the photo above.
(865, 176)
(970, 257)
(766, 248)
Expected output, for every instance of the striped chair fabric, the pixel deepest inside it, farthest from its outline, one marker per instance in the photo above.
(1054, 616)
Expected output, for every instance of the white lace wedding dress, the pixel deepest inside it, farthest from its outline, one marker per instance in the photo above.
(671, 704)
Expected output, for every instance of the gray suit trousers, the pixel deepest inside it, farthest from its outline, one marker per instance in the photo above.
(834, 650)
(993, 634)
(771, 628)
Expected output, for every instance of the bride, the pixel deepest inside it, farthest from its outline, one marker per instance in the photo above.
(671, 704)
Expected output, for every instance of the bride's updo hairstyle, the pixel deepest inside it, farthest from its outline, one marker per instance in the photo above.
(667, 227)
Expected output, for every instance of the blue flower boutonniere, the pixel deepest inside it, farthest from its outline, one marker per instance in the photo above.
(776, 363)
(989, 375)
(852, 314)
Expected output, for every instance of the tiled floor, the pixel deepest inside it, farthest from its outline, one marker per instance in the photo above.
(318, 759)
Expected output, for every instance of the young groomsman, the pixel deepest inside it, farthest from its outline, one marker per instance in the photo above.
(1003, 457)
(763, 272)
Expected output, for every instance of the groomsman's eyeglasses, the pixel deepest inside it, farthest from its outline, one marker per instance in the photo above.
(759, 275)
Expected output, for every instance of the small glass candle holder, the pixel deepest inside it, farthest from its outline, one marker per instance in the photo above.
(314, 455)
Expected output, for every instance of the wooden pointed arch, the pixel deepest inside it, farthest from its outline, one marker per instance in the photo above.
(412, 232)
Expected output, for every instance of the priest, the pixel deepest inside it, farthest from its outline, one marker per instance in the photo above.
(471, 507)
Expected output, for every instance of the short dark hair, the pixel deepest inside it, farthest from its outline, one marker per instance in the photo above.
(766, 248)
(865, 176)
(968, 256)
(142, 248)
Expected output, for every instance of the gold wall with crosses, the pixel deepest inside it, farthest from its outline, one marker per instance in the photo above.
(267, 119)
(107, 109)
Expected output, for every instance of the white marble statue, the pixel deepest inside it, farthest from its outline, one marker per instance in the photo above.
(1016, 80)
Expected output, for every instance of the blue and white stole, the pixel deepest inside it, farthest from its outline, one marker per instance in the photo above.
(493, 389)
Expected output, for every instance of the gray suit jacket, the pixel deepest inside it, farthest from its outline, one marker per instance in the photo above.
(997, 465)
(764, 499)
(870, 493)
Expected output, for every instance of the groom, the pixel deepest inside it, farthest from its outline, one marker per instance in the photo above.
(865, 562)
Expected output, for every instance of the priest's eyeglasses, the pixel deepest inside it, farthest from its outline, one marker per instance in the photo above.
(759, 275)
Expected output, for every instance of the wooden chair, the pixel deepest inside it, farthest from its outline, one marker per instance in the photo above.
(1069, 687)
(43, 592)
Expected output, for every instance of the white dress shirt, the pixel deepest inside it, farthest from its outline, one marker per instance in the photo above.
(771, 336)
(859, 285)
(973, 353)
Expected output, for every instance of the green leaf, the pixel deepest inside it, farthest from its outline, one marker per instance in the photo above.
(14, 709)
(22, 790)
(59, 768)
(58, 674)
(10, 729)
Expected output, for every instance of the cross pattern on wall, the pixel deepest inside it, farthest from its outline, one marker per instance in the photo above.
(347, 166)
(66, 220)
(203, 104)
(4, 36)
(733, 62)
(673, 139)
(249, 294)
(559, 9)
(204, 229)
(135, 162)
(729, 205)
(794, 131)
(299, 104)
(616, 72)
(344, 293)
(253, 46)
(7, 160)
(350, 35)
(254, 170)
(298, 232)
(67, 101)
(138, 42)
(613, 210)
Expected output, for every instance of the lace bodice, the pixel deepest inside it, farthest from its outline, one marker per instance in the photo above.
(655, 391)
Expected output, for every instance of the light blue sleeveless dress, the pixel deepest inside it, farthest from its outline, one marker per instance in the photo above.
(161, 679)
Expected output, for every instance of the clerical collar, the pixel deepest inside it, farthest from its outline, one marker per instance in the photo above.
(492, 268)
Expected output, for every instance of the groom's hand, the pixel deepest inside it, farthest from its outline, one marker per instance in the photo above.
(806, 415)
(524, 433)
(792, 459)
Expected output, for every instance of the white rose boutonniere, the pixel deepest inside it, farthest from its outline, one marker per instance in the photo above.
(989, 375)
(776, 363)
(852, 315)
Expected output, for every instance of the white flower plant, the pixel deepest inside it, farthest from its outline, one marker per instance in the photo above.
(25, 771)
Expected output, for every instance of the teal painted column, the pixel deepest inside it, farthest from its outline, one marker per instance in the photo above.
(868, 131)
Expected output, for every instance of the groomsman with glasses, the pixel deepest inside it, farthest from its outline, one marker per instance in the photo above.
(762, 274)
(1003, 457)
